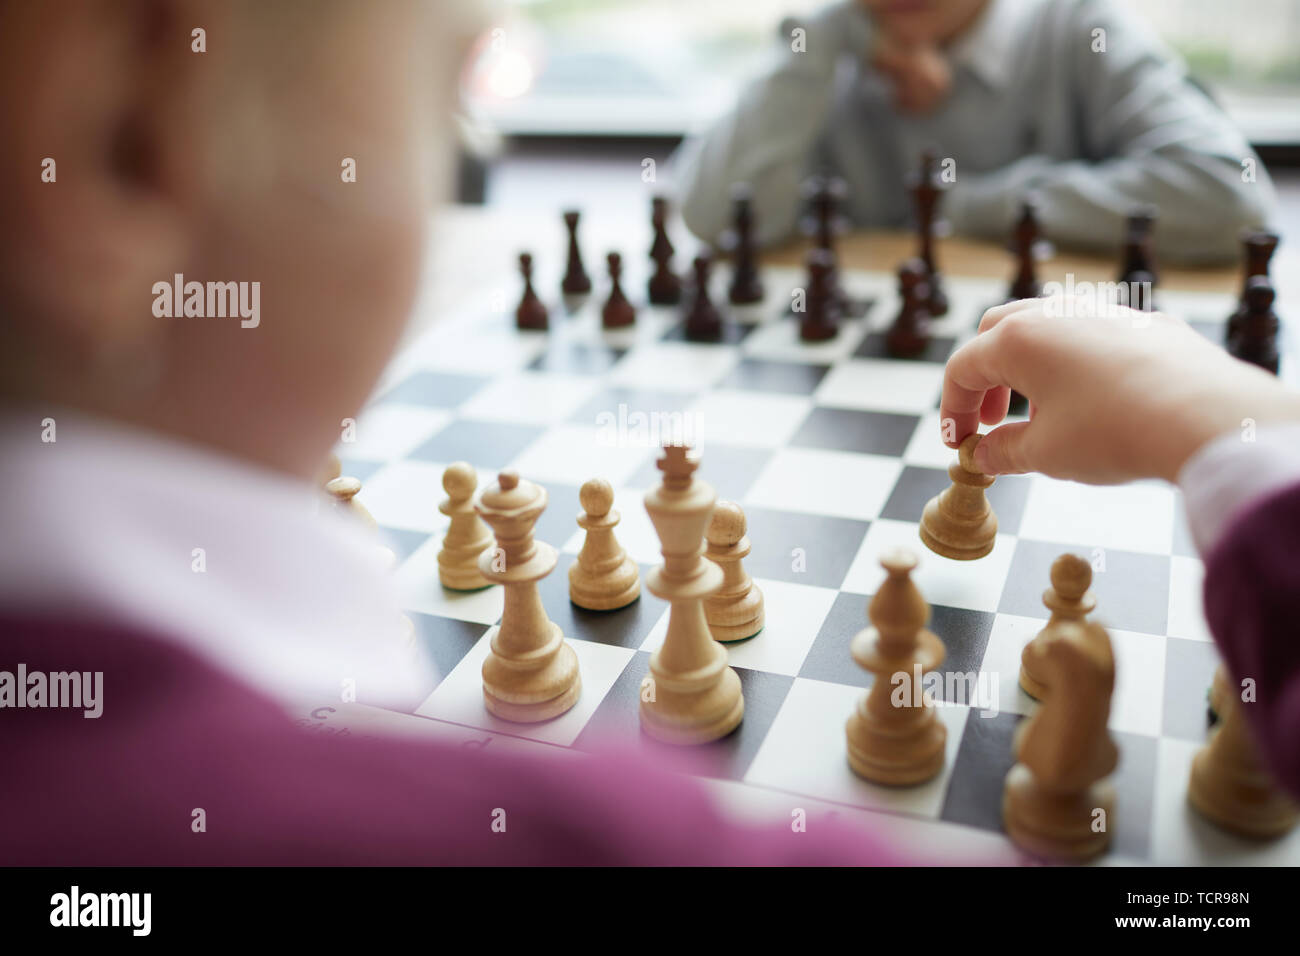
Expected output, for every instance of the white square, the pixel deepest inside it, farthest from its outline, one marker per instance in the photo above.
(883, 385)
(1133, 517)
(573, 454)
(540, 398)
(674, 366)
(1137, 706)
(1007, 640)
(405, 494)
(747, 418)
(392, 430)
(470, 350)
(805, 752)
(780, 341)
(975, 585)
(1186, 600)
(1182, 837)
(836, 483)
(459, 698)
(926, 449)
(793, 615)
(419, 589)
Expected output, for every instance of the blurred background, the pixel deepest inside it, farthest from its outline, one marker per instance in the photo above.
(664, 67)
(567, 99)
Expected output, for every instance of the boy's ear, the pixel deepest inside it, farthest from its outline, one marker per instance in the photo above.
(96, 171)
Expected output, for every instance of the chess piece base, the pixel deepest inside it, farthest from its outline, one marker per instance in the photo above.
(895, 761)
(731, 620)
(1055, 826)
(542, 694)
(1261, 812)
(956, 541)
(673, 719)
(602, 600)
(462, 579)
(1031, 686)
(729, 634)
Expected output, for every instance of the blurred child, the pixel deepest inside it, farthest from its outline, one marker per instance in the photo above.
(1072, 100)
(156, 462)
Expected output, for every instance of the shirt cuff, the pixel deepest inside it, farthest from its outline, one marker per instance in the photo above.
(1231, 472)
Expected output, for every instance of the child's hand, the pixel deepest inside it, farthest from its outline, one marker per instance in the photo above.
(920, 74)
(1115, 398)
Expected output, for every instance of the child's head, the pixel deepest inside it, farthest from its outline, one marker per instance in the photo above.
(226, 165)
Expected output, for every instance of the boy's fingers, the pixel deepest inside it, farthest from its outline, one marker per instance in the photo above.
(1005, 450)
(993, 316)
(972, 371)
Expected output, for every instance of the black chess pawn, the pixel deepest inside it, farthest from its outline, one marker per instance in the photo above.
(531, 313)
(703, 322)
(576, 281)
(924, 187)
(824, 198)
(746, 287)
(1258, 247)
(1024, 242)
(665, 287)
(822, 311)
(1139, 254)
(618, 311)
(1255, 340)
(1139, 291)
(910, 333)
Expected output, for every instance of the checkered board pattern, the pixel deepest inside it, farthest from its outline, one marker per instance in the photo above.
(833, 450)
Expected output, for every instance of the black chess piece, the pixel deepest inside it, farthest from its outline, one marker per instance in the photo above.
(746, 286)
(1139, 291)
(576, 281)
(618, 311)
(531, 313)
(822, 309)
(1255, 340)
(703, 322)
(1139, 254)
(824, 198)
(1024, 242)
(910, 333)
(1258, 246)
(924, 187)
(665, 287)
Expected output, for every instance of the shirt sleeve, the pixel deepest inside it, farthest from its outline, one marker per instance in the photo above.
(1151, 136)
(768, 139)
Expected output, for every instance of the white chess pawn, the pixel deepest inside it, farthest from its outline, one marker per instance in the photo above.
(735, 610)
(603, 578)
(1069, 600)
(467, 536)
(958, 522)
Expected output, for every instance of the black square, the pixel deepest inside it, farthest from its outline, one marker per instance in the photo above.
(434, 389)
(491, 445)
(730, 469)
(936, 350)
(359, 468)
(445, 641)
(983, 759)
(786, 378)
(916, 486)
(617, 721)
(576, 359)
(1132, 593)
(965, 635)
(559, 522)
(625, 627)
(1189, 672)
(802, 548)
(644, 400)
(844, 429)
(733, 333)
(401, 541)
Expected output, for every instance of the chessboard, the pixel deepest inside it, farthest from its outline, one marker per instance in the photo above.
(832, 449)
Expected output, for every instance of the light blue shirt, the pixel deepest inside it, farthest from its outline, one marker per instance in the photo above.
(1073, 101)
